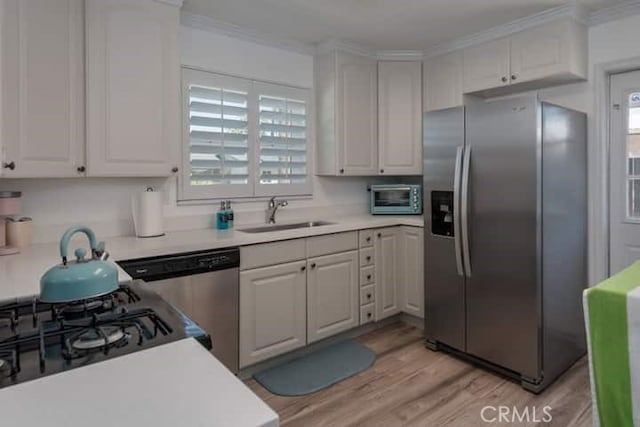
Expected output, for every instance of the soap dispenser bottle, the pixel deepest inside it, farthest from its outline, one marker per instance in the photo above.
(222, 222)
(229, 214)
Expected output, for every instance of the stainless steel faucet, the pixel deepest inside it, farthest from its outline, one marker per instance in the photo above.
(272, 208)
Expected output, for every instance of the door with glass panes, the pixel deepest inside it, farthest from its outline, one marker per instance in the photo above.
(624, 208)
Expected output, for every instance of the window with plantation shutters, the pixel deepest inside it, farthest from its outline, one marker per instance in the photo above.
(243, 138)
(283, 139)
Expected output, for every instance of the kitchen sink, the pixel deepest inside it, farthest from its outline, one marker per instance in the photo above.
(280, 227)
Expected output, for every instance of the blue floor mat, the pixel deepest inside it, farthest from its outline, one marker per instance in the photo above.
(317, 370)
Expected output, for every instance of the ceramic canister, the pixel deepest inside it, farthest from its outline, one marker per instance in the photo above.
(10, 204)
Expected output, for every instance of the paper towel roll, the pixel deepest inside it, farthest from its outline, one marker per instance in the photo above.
(147, 209)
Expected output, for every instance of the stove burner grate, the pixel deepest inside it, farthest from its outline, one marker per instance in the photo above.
(98, 338)
(39, 339)
(102, 332)
(12, 312)
(8, 363)
(84, 308)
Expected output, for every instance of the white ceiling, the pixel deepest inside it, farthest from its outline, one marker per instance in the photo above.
(376, 24)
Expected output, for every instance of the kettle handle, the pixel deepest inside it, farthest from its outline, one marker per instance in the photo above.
(64, 241)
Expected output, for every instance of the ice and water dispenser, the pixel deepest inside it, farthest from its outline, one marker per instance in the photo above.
(442, 213)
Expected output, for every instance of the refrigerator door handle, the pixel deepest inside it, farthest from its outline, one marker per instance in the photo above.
(464, 211)
(456, 209)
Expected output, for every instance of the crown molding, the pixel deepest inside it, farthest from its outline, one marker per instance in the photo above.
(614, 13)
(335, 44)
(206, 23)
(399, 55)
(177, 3)
(568, 11)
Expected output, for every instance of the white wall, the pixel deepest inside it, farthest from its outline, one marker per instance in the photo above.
(223, 54)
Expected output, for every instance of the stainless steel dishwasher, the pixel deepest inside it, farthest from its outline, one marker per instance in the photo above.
(203, 285)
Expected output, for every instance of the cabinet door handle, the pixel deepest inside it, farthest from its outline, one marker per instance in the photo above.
(174, 169)
(81, 169)
(368, 258)
(368, 239)
(513, 77)
(379, 235)
(313, 265)
(368, 277)
(9, 165)
(368, 296)
(381, 170)
(341, 170)
(504, 79)
(303, 268)
(369, 315)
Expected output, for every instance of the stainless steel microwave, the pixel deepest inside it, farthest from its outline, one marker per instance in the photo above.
(396, 199)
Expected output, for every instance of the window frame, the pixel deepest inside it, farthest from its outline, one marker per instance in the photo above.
(253, 189)
(629, 180)
(274, 90)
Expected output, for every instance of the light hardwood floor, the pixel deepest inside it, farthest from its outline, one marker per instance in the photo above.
(410, 385)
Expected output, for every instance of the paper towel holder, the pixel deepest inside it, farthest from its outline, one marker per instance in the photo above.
(148, 218)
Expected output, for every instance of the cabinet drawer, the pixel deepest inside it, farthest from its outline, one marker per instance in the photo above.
(367, 294)
(367, 313)
(332, 244)
(366, 257)
(272, 253)
(366, 238)
(367, 275)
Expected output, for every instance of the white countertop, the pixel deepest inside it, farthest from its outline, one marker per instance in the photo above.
(177, 384)
(20, 274)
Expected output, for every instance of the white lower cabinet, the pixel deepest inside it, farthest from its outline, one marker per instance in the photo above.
(332, 295)
(388, 265)
(273, 311)
(412, 271)
(299, 291)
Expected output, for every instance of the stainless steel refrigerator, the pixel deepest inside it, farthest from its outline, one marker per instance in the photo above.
(506, 236)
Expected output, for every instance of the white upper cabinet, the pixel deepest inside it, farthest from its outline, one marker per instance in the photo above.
(400, 118)
(547, 55)
(133, 87)
(42, 96)
(486, 66)
(346, 95)
(442, 82)
(554, 50)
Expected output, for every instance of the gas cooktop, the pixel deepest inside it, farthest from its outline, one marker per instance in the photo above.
(39, 339)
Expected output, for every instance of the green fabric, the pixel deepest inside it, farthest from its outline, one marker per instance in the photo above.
(317, 370)
(607, 304)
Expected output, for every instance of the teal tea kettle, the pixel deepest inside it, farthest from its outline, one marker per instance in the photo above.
(82, 278)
